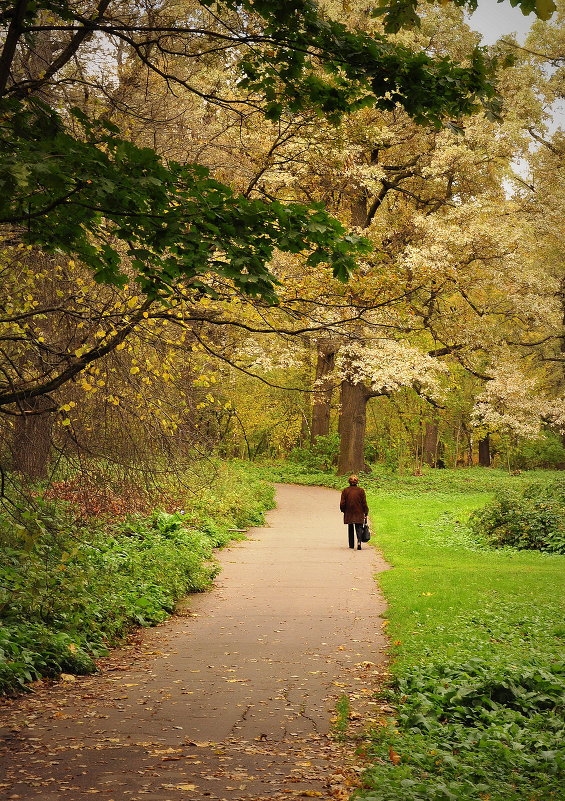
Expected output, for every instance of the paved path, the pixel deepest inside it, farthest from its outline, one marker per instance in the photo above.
(234, 699)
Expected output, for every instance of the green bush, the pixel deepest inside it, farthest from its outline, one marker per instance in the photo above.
(547, 451)
(532, 519)
(320, 455)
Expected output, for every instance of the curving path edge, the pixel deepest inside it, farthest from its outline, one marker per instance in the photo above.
(233, 699)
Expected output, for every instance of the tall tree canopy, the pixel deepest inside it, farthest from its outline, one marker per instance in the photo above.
(180, 151)
(71, 182)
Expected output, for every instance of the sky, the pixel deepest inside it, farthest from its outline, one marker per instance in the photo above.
(494, 20)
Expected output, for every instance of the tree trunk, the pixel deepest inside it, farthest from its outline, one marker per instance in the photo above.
(321, 407)
(352, 425)
(429, 444)
(31, 442)
(484, 451)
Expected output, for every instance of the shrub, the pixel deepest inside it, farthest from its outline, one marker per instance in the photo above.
(531, 519)
(547, 451)
(321, 455)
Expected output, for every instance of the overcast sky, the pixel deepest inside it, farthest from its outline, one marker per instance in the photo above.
(494, 20)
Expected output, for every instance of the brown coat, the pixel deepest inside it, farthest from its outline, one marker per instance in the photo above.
(353, 504)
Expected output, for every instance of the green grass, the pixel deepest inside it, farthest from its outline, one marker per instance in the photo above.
(477, 635)
(453, 597)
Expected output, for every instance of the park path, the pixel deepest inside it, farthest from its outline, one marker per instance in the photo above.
(231, 700)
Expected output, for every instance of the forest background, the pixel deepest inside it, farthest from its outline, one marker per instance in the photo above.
(148, 344)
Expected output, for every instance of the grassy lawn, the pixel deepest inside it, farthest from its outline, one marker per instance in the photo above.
(477, 638)
(450, 597)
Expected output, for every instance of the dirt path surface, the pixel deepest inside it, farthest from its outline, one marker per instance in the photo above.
(232, 700)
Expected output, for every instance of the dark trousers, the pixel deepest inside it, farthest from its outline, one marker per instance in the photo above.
(353, 528)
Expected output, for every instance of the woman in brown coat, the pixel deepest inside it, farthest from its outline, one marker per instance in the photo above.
(353, 504)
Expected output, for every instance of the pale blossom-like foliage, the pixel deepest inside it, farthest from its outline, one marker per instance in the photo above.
(514, 403)
(267, 360)
(390, 365)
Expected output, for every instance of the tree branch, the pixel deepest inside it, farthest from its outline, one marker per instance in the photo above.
(77, 365)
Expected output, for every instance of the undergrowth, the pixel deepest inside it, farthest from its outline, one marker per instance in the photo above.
(473, 730)
(68, 589)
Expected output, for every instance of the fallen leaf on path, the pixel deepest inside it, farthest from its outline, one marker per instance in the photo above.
(199, 744)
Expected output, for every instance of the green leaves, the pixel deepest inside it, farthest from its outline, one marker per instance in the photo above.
(99, 197)
(398, 14)
(473, 730)
(314, 62)
(533, 519)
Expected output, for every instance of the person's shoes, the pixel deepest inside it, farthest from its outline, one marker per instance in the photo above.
(358, 546)
(352, 546)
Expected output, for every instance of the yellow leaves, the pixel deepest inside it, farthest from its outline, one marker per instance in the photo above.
(132, 302)
(65, 422)
(195, 743)
(205, 380)
(393, 756)
(134, 370)
(67, 406)
(120, 346)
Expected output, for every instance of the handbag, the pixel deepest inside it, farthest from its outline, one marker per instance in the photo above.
(366, 533)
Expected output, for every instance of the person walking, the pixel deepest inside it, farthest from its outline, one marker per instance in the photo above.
(353, 504)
